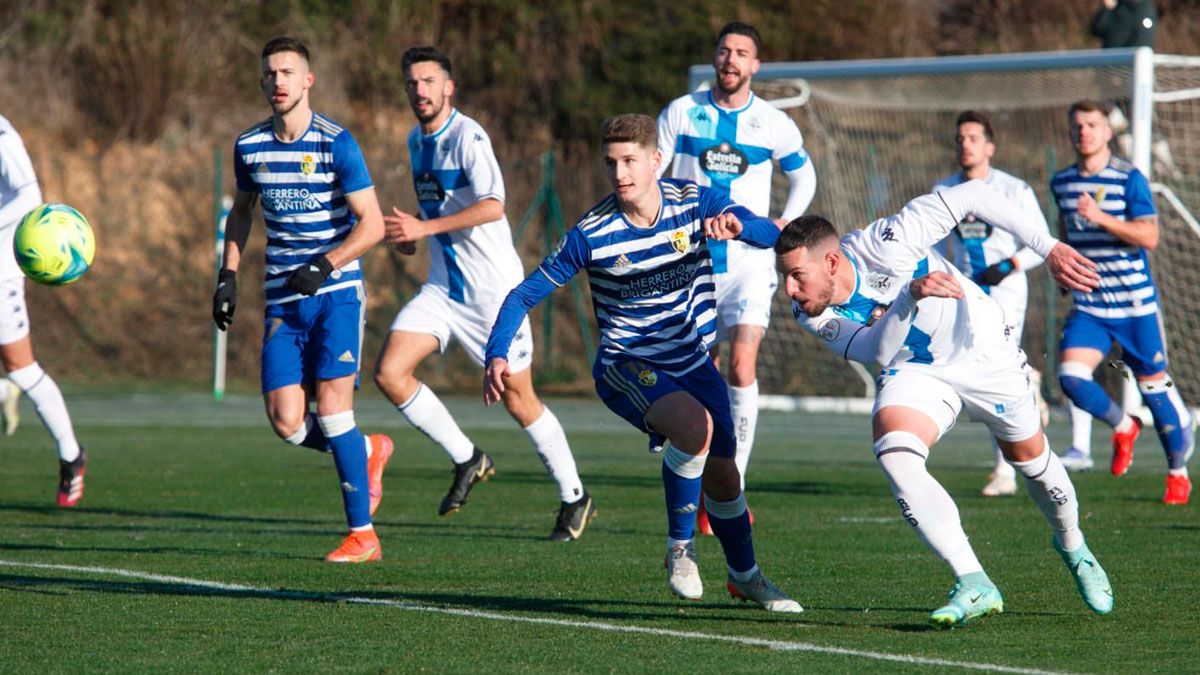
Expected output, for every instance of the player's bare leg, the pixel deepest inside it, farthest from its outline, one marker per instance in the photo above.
(24, 372)
(576, 508)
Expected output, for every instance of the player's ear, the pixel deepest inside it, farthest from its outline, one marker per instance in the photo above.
(309, 78)
(833, 261)
(448, 89)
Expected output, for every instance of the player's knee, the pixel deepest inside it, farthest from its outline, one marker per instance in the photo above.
(394, 382)
(1073, 377)
(287, 426)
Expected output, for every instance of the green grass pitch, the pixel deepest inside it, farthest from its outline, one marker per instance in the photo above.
(198, 547)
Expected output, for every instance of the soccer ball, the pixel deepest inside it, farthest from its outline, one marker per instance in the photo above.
(54, 244)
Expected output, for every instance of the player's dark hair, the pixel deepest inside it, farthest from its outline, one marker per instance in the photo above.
(423, 54)
(739, 28)
(806, 231)
(630, 128)
(969, 116)
(284, 43)
(1089, 105)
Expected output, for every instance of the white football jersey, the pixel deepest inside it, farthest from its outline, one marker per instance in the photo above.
(974, 245)
(19, 194)
(730, 151)
(892, 251)
(453, 168)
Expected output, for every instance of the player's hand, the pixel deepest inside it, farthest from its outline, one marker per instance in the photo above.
(225, 298)
(308, 279)
(935, 285)
(493, 380)
(722, 226)
(404, 230)
(1071, 270)
(1088, 208)
(996, 273)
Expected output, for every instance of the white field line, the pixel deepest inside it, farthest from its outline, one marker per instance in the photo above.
(780, 645)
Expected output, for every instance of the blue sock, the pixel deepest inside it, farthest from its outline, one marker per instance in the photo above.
(1172, 419)
(681, 484)
(731, 524)
(315, 438)
(350, 457)
(1091, 397)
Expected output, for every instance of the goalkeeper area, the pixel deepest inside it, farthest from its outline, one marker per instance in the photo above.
(198, 547)
(881, 132)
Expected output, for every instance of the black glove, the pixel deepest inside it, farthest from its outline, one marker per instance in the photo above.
(309, 278)
(225, 299)
(994, 274)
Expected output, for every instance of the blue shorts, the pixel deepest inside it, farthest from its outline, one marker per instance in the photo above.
(629, 388)
(1141, 338)
(313, 338)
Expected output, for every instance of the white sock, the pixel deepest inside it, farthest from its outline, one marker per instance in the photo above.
(48, 400)
(1047, 482)
(924, 503)
(1002, 469)
(1081, 429)
(550, 442)
(743, 402)
(425, 411)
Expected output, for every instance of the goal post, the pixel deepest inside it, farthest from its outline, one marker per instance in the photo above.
(880, 132)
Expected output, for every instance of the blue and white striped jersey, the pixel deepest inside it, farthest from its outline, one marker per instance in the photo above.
(303, 185)
(1126, 286)
(652, 288)
(731, 152)
(453, 168)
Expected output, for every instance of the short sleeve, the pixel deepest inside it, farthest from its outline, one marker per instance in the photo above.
(1139, 202)
(241, 172)
(349, 164)
(480, 165)
(667, 133)
(789, 150)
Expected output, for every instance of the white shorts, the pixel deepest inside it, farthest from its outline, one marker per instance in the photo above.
(434, 313)
(1013, 301)
(744, 298)
(997, 392)
(14, 316)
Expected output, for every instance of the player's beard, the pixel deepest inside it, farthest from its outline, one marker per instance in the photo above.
(435, 109)
(282, 109)
(742, 79)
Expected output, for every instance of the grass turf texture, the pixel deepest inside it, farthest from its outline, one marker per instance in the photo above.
(184, 487)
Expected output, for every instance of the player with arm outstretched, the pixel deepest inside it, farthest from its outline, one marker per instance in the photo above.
(646, 251)
(881, 294)
(473, 266)
(726, 138)
(321, 214)
(19, 194)
(992, 257)
(1107, 212)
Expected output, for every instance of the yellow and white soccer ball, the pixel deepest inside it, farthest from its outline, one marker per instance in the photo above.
(54, 244)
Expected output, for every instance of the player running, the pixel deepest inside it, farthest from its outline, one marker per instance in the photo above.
(725, 138)
(645, 249)
(473, 266)
(20, 194)
(1107, 212)
(992, 257)
(944, 345)
(321, 214)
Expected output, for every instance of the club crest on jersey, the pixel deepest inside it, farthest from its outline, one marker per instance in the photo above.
(680, 241)
(647, 377)
(428, 188)
(724, 158)
(830, 330)
(879, 282)
(308, 165)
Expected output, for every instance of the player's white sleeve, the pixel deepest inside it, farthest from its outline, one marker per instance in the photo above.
(898, 243)
(877, 343)
(801, 192)
(19, 192)
(666, 140)
(975, 197)
(480, 165)
(1027, 259)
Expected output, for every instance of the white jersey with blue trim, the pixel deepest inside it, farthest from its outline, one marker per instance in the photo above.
(1126, 286)
(19, 194)
(652, 288)
(888, 254)
(454, 168)
(731, 152)
(303, 185)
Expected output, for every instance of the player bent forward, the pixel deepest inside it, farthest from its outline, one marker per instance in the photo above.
(943, 347)
(645, 248)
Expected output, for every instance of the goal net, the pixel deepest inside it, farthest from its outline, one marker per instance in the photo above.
(880, 132)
